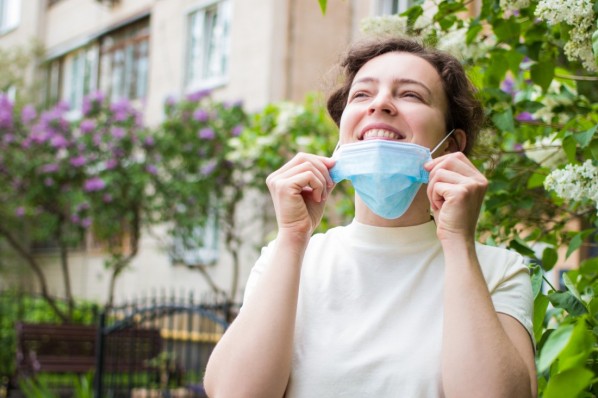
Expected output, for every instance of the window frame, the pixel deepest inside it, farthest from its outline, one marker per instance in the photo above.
(392, 7)
(10, 15)
(196, 78)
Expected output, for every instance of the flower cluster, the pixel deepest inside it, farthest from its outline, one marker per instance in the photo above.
(579, 15)
(575, 182)
(513, 5)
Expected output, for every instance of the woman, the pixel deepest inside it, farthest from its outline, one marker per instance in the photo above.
(402, 302)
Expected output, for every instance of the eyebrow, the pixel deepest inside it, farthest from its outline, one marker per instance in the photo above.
(394, 81)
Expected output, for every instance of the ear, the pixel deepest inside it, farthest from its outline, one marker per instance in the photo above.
(457, 142)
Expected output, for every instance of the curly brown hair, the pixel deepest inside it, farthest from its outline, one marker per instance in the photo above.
(464, 109)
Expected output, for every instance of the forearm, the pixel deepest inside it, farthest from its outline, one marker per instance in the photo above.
(253, 358)
(478, 357)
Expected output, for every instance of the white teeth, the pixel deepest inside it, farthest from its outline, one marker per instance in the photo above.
(381, 133)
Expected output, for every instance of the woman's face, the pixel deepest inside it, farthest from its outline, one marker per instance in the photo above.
(395, 96)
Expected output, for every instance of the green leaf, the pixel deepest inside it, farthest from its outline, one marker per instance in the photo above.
(579, 348)
(575, 244)
(537, 280)
(504, 120)
(474, 29)
(585, 137)
(323, 5)
(412, 14)
(568, 383)
(549, 258)
(542, 74)
(556, 343)
(568, 302)
(570, 148)
(520, 247)
(536, 180)
(571, 287)
(540, 305)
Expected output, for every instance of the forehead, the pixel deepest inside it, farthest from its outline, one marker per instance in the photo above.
(401, 66)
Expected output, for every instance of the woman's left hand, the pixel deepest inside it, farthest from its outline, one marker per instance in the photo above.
(456, 191)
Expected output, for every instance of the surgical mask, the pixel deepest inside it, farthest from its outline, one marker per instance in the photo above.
(385, 174)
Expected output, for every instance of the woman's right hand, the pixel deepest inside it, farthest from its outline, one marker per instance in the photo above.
(299, 190)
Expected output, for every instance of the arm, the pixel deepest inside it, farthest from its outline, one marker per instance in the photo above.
(484, 353)
(253, 358)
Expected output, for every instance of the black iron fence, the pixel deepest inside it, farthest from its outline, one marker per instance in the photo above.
(154, 346)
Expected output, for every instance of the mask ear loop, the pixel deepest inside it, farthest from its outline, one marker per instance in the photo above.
(442, 142)
(338, 145)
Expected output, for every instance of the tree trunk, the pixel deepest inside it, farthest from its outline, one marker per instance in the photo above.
(64, 264)
(35, 267)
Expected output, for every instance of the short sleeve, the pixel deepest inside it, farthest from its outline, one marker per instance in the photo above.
(257, 271)
(513, 294)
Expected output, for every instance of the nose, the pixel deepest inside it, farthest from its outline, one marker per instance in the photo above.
(383, 103)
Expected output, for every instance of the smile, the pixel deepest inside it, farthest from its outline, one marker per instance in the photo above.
(381, 134)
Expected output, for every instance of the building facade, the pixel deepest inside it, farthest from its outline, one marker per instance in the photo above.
(257, 51)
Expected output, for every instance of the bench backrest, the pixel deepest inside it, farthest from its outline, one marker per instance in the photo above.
(72, 348)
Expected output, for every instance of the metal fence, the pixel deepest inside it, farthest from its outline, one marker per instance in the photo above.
(152, 346)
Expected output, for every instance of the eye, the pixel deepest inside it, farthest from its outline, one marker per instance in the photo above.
(412, 94)
(359, 95)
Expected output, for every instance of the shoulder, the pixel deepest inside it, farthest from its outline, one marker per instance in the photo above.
(499, 264)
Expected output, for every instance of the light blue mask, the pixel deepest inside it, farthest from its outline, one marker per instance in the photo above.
(386, 174)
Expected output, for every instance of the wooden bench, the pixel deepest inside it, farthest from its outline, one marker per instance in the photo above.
(72, 349)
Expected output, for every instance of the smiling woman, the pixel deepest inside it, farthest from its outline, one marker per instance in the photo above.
(402, 301)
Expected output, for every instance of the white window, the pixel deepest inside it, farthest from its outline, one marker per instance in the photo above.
(208, 45)
(390, 7)
(10, 14)
(124, 61)
(81, 76)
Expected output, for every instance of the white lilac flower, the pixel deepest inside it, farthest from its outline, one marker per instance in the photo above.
(579, 15)
(513, 5)
(385, 25)
(546, 151)
(575, 182)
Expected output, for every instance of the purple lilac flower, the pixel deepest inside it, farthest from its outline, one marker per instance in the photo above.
(49, 182)
(28, 114)
(87, 126)
(201, 115)
(50, 168)
(120, 110)
(149, 141)
(75, 219)
(8, 138)
(58, 141)
(524, 117)
(78, 161)
(107, 198)
(6, 108)
(208, 168)
(117, 132)
(508, 85)
(86, 222)
(150, 168)
(233, 104)
(170, 100)
(206, 134)
(198, 95)
(82, 207)
(236, 131)
(20, 211)
(94, 184)
(111, 164)
(62, 107)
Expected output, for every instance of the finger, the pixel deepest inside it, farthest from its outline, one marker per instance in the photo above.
(456, 161)
(321, 162)
(307, 167)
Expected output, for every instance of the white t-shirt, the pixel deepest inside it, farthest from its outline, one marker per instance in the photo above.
(370, 310)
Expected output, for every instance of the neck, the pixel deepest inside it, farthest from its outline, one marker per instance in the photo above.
(418, 213)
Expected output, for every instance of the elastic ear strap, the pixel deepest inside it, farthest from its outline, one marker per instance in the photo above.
(442, 141)
(338, 145)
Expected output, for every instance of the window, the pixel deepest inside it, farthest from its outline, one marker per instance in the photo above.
(10, 15)
(116, 63)
(124, 61)
(390, 7)
(208, 43)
